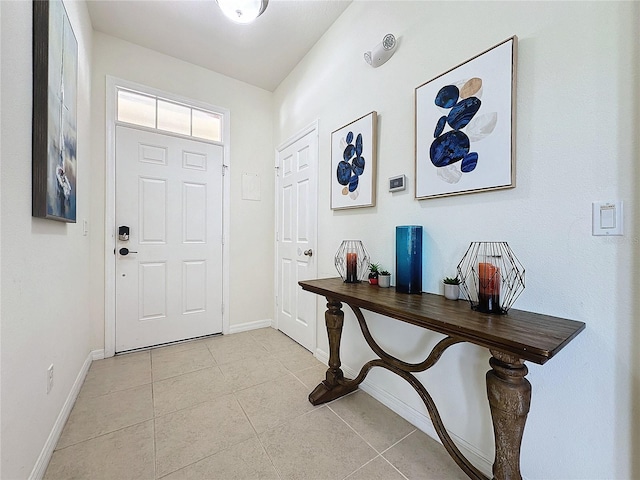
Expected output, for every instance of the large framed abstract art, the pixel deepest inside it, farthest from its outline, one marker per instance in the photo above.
(353, 164)
(465, 132)
(55, 92)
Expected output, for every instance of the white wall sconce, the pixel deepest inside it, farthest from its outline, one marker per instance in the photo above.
(382, 52)
(242, 11)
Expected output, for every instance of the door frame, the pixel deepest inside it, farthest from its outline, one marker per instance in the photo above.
(112, 84)
(312, 128)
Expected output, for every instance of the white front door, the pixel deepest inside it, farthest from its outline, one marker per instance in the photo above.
(169, 194)
(296, 236)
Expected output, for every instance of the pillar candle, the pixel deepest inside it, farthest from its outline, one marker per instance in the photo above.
(352, 268)
(488, 288)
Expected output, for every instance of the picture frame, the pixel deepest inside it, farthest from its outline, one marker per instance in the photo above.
(465, 126)
(353, 163)
(55, 92)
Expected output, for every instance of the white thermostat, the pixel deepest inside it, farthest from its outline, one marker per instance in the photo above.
(397, 183)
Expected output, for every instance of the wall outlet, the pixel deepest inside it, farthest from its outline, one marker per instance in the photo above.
(49, 378)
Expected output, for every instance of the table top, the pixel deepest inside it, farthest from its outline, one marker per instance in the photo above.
(530, 336)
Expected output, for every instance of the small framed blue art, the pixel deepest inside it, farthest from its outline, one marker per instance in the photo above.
(353, 164)
(465, 132)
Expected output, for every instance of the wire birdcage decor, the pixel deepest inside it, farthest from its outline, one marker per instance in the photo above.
(352, 261)
(491, 277)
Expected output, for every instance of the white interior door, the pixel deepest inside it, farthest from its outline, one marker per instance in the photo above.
(296, 237)
(169, 195)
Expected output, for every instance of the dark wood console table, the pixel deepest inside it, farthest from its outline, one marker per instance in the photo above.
(512, 339)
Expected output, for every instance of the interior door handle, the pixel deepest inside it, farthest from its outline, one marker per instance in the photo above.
(125, 251)
(308, 253)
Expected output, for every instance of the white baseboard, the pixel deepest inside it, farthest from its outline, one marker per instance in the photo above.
(97, 355)
(245, 327)
(47, 451)
(419, 419)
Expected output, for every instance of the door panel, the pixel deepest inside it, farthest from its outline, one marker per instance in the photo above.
(194, 215)
(297, 223)
(194, 278)
(153, 211)
(153, 290)
(169, 192)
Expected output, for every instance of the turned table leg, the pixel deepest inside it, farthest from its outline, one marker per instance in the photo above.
(334, 385)
(509, 398)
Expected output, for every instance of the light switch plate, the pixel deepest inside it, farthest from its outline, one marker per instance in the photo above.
(607, 218)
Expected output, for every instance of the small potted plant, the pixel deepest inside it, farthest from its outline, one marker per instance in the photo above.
(451, 287)
(374, 270)
(384, 279)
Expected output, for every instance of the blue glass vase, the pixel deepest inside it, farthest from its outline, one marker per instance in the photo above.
(409, 259)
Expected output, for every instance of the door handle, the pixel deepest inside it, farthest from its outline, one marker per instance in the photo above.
(125, 251)
(308, 253)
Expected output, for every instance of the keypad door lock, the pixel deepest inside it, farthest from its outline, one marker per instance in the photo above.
(123, 233)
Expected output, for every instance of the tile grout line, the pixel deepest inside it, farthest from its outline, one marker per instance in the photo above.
(155, 450)
(245, 413)
(215, 364)
(91, 397)
(153, 410)
(394, 467)
(379, 453)
(102, 435)
(258, 437)
(373, 459)
(353, 429)
(396, 443)
(99, 371)
(184, 373)
(283, 422)
(361, 467)
(296, 377)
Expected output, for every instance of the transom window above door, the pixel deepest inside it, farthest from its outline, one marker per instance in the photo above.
(161, 114)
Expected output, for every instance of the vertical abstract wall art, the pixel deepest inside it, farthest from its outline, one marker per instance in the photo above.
(353, 164)
(465, 132)
(54, 137)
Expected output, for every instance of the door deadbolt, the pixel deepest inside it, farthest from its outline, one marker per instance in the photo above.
(123, 233)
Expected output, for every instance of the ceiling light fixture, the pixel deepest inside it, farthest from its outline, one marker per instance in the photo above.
(242, 11)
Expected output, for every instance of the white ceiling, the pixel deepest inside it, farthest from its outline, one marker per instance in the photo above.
(262, 53)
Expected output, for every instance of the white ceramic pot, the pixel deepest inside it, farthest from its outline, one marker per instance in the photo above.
(384, 281)
(451, 292)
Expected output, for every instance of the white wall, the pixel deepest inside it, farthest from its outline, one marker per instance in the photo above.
(0, 257)
(252, 222)
(577, 142)
(578, 111)
(45, 264)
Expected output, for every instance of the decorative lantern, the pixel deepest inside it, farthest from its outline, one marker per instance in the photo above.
(491, 277)
(352, 261)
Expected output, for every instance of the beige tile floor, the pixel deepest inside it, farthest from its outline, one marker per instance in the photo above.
(234, 407)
